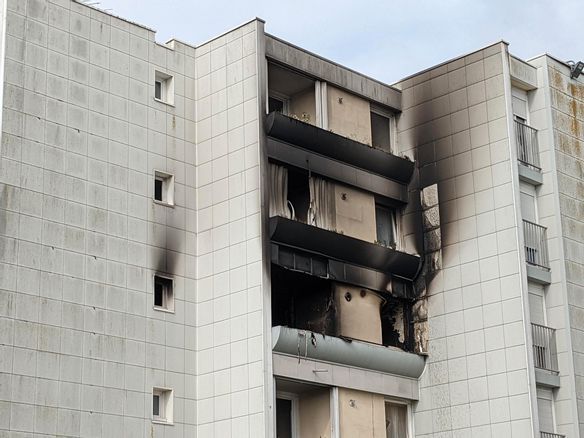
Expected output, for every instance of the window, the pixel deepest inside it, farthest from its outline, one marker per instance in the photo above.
(163, 293)
(396, 420)
(162, 404)
(275, 104)
(163, 187)
(380, 132)
(164, 87)
(283, 418)
(385, 220)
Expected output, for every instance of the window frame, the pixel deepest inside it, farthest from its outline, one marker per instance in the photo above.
(165, 405)
(294, 411)
(167, 198)
(409, 413)
(396, 224)
(167, 303)
(166, 87)
(392, 125)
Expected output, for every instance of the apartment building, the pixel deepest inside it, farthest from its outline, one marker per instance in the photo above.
(241, 238)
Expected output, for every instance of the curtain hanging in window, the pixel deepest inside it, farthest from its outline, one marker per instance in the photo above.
(322, 203)
(278, 191)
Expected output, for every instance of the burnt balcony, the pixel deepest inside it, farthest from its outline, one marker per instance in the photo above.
(348, 249)
(342, 149)
(536, 252)
(528, 153)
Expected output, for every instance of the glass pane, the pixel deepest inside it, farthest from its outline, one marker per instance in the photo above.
(158, 90)
(156, 405)
(283, 418)
(384, 219)
(158, 189)
(380, 132)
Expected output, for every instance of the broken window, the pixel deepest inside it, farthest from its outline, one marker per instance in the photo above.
(298, 194)
(163, 293)
(380, 132)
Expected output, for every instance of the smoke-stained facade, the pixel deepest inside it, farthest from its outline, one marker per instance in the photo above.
(241, 238)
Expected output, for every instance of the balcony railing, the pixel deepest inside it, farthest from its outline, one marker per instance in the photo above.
(527, 147)
(536, 250)
(545, 352)
(551, 435)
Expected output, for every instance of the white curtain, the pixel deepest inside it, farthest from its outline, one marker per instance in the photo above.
(396, 421)
(322, 203)
(278, 191)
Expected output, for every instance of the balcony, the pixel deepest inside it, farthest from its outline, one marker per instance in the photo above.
(536, 252)
(528, 153)
(545, 355)
(341, 247)
(338, 148)
(551, 435)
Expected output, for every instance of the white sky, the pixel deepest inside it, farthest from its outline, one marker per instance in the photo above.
(385, 39)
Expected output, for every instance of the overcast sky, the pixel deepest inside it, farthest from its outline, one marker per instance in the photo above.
(387, 40)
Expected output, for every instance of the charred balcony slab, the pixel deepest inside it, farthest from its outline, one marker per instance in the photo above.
(340, 148)
(345, 248)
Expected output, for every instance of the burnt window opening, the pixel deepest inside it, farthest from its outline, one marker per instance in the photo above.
(396, 323)
(302, 301)
(380, 132)
(298, 194)
(306, 302)
(386, 224)
(163, 293)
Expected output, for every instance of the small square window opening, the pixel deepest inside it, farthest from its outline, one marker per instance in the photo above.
(163, 187)
(162, 405)
(163, 293)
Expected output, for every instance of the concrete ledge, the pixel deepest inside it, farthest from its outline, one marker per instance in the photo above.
(302, 344)
(547, 378)
(530, 175)
(523, 75)
(539, 275)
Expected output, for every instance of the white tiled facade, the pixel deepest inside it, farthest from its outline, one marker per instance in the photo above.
(82, 345)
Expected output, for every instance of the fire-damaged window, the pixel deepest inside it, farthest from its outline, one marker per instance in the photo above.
(298, 194)
(380, 132)
(163, 293)
(307, 302)
(386, 223)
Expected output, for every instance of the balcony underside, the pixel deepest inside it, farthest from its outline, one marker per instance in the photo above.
(344, 248)
(339, 148)
(358, 354)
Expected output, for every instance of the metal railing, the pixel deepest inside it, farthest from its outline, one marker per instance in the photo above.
(536, 250)
(551, 435)
(545, 353)
(527, 147)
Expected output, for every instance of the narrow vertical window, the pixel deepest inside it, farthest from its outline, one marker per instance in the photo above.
(158, 90)
(164, 87)
(163, 187)
(380, 136)
(162, 405)
(163, 293)
(385, 220)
